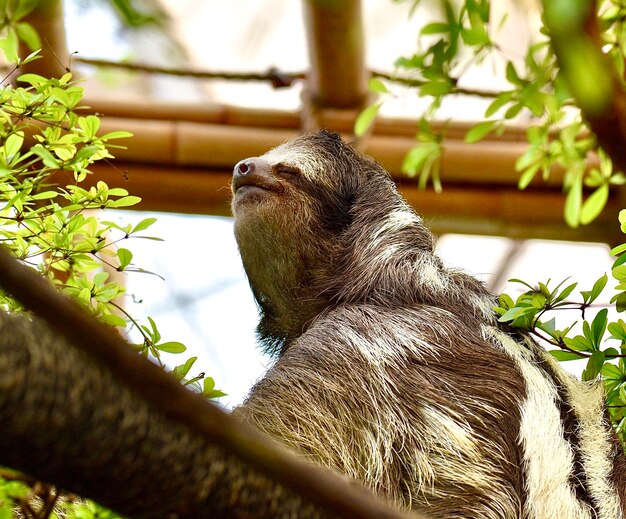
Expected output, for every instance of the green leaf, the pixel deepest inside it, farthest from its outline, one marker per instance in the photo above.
(573, 202)
(120, 134)
(479, 131)
(578, 343)
(125, 257)
(9, 45)
(125, 201)
(475, 36)
(31, 57)
(376, 85)
(23, 8)
(32, 79)
(598, 326)
(565, 293)
(435, 28)
(498, 103)
(415, 158)
(90, 124)
(171, 347)
(28, 35)
(513, 111)
(512, 76)
(208, 389)
(618, 330)
(435, 88)
(619, 261)
(563, 356)
(181, 371)
(527, 176)
(594, 365)
(593, 206)
(45, 195)
(143, 225)
(515, 280)
(618, 250)
(620, 301)
(48, 159)
(591, 295)
(619, 272)
(611, 371)
(365, 119)
(13, 144)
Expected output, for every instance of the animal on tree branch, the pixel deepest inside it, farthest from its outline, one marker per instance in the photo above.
(389, 368)
(392, 368)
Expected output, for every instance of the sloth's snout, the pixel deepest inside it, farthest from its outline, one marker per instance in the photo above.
(245, 167)
(256, 172)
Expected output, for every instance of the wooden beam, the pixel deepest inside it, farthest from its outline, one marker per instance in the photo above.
(465, 209)
(337, 77)
(47, 19)
(184, 144)
(338, 120)
(185, 165)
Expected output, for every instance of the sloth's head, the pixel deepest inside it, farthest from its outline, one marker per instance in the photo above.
(306, 214)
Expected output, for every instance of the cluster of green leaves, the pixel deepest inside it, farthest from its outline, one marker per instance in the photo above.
(558, 136)
(14, 29)
(52, 217)
(602, 343)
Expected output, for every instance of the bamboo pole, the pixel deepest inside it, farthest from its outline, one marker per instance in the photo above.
(47, 19)
(194, 144)
(338, 120)
(334, 29)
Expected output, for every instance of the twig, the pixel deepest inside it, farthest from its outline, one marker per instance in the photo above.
(277, 78)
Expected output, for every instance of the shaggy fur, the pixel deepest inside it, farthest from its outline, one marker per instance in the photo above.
(392, 368)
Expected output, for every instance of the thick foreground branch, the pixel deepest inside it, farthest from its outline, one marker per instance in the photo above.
(95, 418)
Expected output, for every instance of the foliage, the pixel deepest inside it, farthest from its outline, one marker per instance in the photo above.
(555, 94)
(539, 90)
(51, 218)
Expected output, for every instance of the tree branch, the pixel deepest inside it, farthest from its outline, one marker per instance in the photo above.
(101, 421)
(277, 78)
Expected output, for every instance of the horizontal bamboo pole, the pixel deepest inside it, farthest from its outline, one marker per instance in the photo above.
(334, 118)
(184, 144)
(460, 208)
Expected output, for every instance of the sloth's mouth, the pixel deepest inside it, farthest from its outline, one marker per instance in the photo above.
(249, 184)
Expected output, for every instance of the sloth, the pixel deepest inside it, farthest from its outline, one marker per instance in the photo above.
(392, 368)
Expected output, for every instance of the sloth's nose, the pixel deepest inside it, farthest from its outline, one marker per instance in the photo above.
(243, 168)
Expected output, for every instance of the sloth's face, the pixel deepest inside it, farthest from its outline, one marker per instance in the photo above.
(308, 182)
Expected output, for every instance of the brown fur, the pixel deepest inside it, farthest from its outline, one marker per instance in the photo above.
(390, 367)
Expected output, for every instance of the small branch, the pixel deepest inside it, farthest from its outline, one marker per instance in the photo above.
(12, 475)
(410, 82)
(277, 78)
